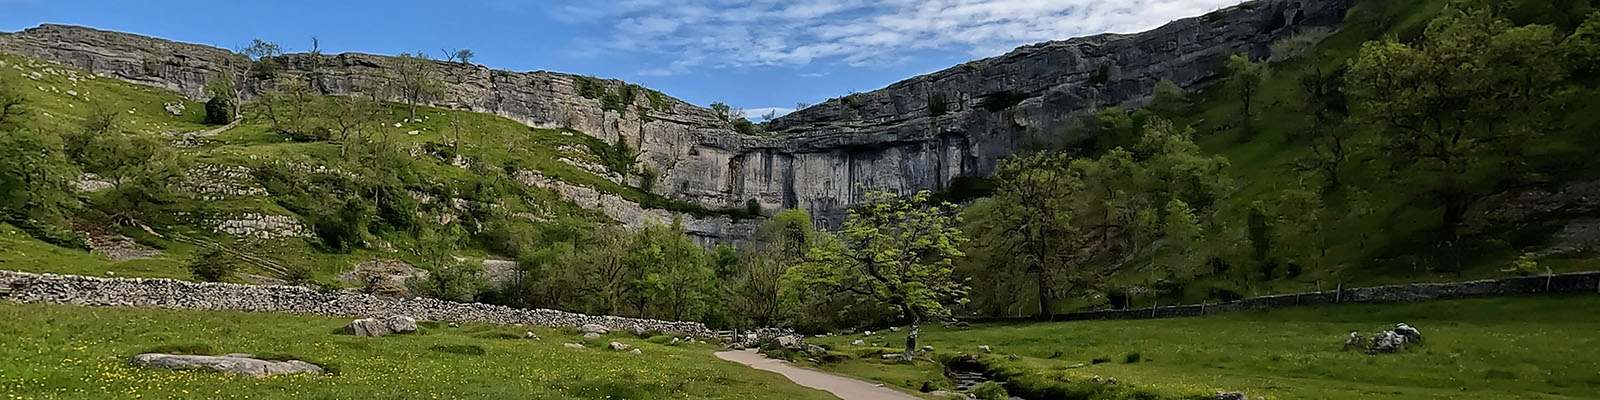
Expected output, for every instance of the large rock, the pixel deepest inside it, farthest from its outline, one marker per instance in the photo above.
(1387, 342)
(1410, 333)
(400, 324)
(226, 364)
(594, 328)
(368, 327)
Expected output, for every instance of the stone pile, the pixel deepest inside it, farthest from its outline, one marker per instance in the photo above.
(174, 294)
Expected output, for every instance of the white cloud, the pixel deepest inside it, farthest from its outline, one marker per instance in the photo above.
(691, 34)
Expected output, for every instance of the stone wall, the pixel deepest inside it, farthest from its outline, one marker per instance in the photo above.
(174, 294)
(1582, 282)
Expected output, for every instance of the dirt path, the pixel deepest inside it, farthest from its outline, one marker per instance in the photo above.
(845, 388)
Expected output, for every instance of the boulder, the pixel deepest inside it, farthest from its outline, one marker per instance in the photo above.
(619, 346)
(400, 324)
(1387, 342)
(858, 342)
(530, 335)
(927, 348)
(574, 346)
(368, 327)
(593, 328)
(1411, 334)
(1231, 396)
(225, 364)
(816, 350)
(636, 352)
(637, 331)
(591, 335)
(984, 348)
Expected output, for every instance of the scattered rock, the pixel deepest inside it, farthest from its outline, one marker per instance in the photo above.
(858, 342)
(531, 336)
(176, 108)
(894, 357)
(894, 329)
(456, 325)
(377, 327)
(400, 324)
(574, 346)
(226, 364)
(636, 352)
(1231, 396)
(927, 348)
(619, 346)
(1387, 342)
(119, 248)
(1353, 341)
(1411, 334)
(984, 348)
(593, 328)
(816, 350)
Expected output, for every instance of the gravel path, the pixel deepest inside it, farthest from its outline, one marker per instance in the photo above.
(845, 388)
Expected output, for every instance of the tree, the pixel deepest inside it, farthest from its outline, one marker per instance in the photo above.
(1244, 79)
(239, 68)
(1029, 222)
(214, 266)
(35, 175)
(1457, 107)
(673, 278)
(1325, 107)
(463, 56)
(416, 78)
(723, 111)
(1168, 100)
(896, 252)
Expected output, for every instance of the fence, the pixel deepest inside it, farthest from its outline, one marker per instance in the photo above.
(1581, 282)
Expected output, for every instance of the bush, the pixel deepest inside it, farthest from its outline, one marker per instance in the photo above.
(937, 104)
(1100, 360)
(214, 266)
(990, 391)
(752, 207)
(219, 111)
(297, 274)
(1133, 357)
(459, 282)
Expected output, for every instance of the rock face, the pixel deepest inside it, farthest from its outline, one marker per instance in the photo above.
(230, 364)
(889, 139)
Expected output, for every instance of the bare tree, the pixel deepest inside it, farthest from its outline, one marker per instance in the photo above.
(463, 56)
(240, 66)
(416, 78)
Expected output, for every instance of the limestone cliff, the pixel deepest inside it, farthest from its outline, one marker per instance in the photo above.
(822, 158)
(891, 139)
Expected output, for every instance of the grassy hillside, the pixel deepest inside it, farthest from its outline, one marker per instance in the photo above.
(1492, 348)
(62, 100)
(1380, 224)
(65, 352)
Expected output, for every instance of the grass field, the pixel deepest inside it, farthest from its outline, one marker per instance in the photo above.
(1536, 347)
(65, 352)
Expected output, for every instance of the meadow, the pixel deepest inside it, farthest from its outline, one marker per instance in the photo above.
(1534, 347)
(66, 352)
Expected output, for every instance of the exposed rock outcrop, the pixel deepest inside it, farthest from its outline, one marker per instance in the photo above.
(825, 157)
(237, 364)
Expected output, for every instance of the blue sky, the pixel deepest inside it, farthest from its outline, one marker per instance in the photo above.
(754, 54)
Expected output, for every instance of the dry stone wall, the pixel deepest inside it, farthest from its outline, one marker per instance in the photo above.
(174, 294)
(1583, 282)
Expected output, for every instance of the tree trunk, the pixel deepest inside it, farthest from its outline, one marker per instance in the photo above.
(911, 337)
(1045, 313)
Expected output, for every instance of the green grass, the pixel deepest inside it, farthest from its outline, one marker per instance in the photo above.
(65, 352)
(1525, 347)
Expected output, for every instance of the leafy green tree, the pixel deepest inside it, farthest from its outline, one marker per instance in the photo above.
(1457, 107)
(246, 63)
(673, 278)
(1168, 100)
(896, 252)
(1244, 78)
(35, 174)
(454, 281)
(1029, 224)
(215, 266)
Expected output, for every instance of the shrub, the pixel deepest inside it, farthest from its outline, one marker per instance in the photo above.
(458, 282)
(214, 266)
(1100, 76)
(1118, 298)
(990, 391)
(219, 111)
(1100, 360)
(1133, 357)
(752, 207)
(297, 274)
(938, 104)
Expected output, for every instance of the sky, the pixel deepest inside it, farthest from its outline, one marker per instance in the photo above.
(758, 55)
